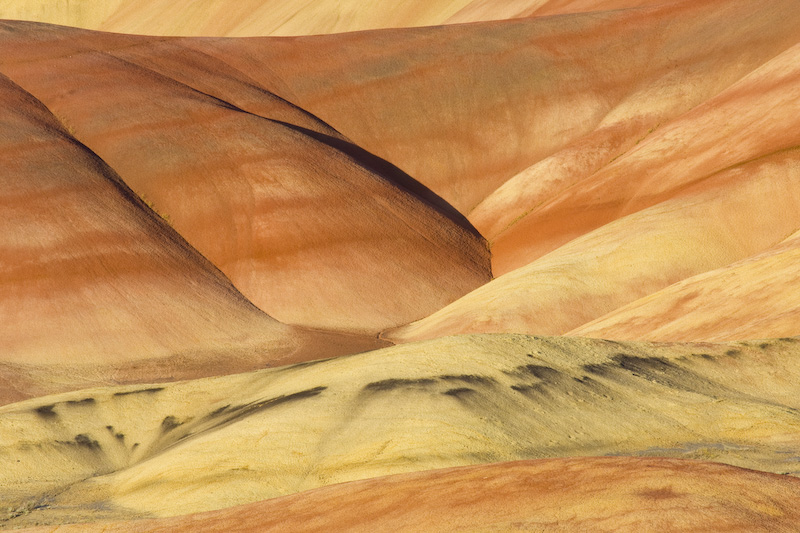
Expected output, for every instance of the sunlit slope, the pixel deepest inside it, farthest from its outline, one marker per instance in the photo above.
(276, 17)
(574, 494)
(754, 119)
(311, 228)
(493, 10)
(754, 297)
(96, 288)
(465, 108)
(740, 213)
(244, 18)
(710, 188)
(212, 443)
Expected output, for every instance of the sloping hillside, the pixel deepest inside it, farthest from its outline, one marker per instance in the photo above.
(193, 446)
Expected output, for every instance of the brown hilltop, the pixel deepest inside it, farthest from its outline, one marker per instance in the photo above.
(311, 228)
(568, 495)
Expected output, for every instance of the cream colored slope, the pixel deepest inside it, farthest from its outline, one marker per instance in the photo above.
(726, 218)
(572, 494)
(243, 18)
(200, 445)
(754, 297)
(312, 229)
(464, 108)
(508, 9)
(95, 288)
(276, 17)
(755, 117)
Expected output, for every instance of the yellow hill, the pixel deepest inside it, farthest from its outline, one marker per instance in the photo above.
(212, 443)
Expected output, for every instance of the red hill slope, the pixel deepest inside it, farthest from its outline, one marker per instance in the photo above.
(96, 288)
(311, 228)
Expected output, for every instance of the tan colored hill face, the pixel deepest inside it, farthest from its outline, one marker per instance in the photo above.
(133, 451)
(274, 17)
(752, 297)
(310, 228)
(754, 118)
(95, 288)
(491, 10)
(574, 494)
(244, 18)
(465, 108)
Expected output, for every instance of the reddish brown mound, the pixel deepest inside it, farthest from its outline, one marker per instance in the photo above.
(311, 228)
(575, 494)
(95, 288)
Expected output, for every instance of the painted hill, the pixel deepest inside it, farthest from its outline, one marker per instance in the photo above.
(658, 144)
(580, 225)
(465, 108)
(94, 282)
(738, 213)
(120, 453)
(310, 228)
(712, 305)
